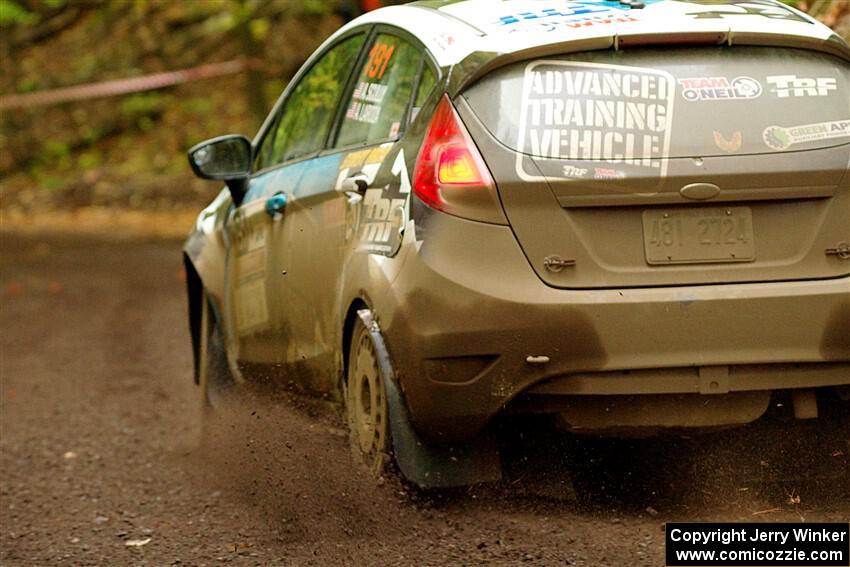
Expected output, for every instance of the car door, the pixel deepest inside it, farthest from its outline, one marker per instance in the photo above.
(259, 252)
(327, 215)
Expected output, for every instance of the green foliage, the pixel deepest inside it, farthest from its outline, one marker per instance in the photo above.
(145, 123)
(54, 149)
(219, 23)
(143, 103)
(27, 84)
(88, 160)
(259, 28)
(303, 132)
(197, 105)
(89, 135)
(315, 7)
(53, 182)
(85, 65)
(12, 13)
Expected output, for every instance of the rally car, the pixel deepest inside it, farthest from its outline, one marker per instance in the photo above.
(631, 215)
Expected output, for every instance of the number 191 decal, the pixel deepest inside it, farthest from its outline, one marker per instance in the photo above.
(379, 58)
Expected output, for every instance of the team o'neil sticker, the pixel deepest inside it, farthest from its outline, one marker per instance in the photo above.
(696, 89)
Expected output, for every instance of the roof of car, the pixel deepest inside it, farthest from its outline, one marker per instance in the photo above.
(452, 30)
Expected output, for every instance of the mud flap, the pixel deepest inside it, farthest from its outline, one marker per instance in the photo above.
(428, 465)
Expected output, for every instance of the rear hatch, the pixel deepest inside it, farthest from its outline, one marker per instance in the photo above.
(671, 166)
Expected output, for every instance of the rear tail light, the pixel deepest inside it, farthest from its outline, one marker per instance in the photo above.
(457, 166)
(450, 174)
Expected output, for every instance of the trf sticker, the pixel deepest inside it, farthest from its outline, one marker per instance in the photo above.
(785, 86)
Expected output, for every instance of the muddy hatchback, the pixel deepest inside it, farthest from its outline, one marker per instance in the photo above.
(632, 216)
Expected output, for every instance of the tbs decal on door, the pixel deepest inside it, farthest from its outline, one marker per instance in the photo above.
(377, 220)
(618, 117)
(385, 211)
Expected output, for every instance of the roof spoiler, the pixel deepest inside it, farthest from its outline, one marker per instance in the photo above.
(478, 64)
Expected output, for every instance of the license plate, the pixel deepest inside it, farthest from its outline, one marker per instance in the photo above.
(698, 235)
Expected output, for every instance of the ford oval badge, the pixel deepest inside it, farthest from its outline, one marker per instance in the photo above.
(699, 191)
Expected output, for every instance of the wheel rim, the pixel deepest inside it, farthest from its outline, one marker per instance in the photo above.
(366, 405)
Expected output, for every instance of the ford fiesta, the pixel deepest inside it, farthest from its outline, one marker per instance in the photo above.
(633, 216)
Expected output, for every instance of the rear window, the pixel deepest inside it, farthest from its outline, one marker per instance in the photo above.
(633, 110)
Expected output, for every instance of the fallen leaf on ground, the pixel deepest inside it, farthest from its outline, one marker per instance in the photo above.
(772, 510)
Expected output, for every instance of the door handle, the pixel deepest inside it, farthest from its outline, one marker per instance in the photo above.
(275, 205)
(357, 183)
(355, 187)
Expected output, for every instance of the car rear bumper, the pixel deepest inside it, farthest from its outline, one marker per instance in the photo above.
(470, 327)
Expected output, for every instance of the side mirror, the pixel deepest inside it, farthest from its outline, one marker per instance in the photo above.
(226, 158)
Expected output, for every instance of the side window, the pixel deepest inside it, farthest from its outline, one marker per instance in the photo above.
(308, 112)
(426, 86)
(378, 105)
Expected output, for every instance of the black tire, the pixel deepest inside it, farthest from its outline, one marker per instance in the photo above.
(603, 472)
(366, 407)
(215, 380)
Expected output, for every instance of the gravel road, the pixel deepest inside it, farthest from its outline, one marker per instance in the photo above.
(102, 461)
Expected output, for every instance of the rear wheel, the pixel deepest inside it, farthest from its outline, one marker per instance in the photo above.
(366, 402)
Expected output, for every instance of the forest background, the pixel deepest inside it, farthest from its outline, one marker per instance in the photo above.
(127, 152)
